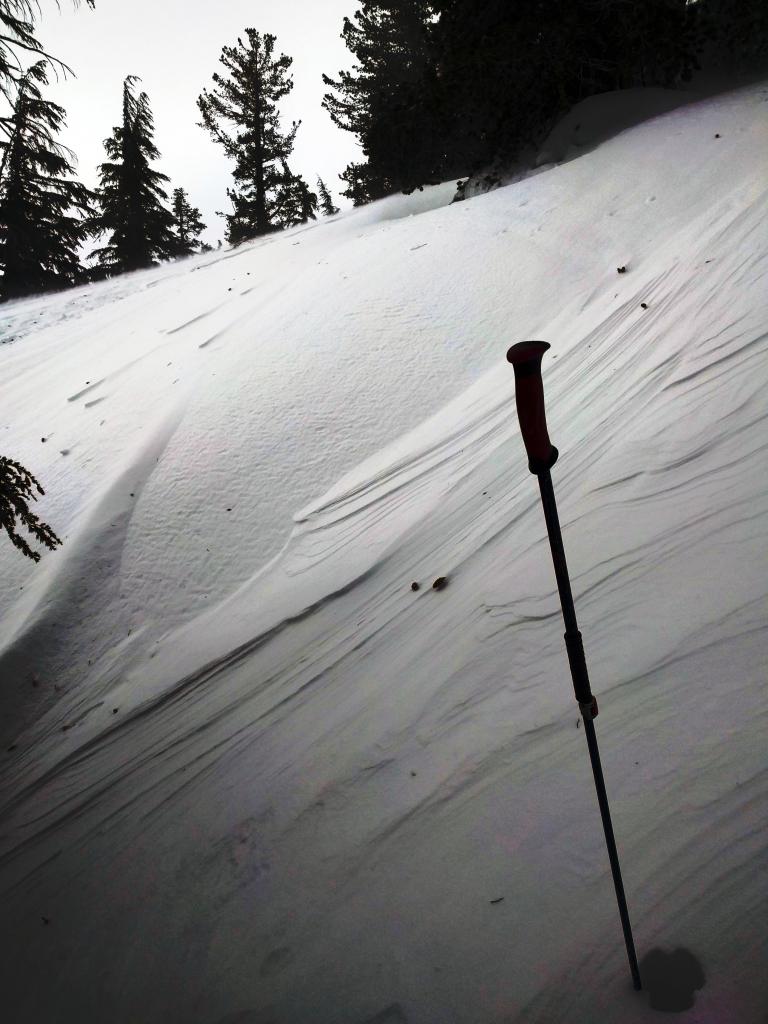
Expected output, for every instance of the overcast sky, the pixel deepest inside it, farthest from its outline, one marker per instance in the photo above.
(174, 46)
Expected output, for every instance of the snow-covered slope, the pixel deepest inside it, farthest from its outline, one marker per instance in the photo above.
(251, 775)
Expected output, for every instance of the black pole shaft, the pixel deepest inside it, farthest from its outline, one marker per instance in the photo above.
(586, 703)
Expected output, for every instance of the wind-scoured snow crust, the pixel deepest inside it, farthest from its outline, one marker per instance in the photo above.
(250, 775)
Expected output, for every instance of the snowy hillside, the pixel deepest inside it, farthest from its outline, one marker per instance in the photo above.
(251, 776)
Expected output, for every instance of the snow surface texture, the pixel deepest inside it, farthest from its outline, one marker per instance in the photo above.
(594, 120)
(251, 776)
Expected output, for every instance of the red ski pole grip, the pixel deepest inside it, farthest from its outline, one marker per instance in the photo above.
(526, 359)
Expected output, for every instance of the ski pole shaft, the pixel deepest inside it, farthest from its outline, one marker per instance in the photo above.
(587, 704)
(529, 397)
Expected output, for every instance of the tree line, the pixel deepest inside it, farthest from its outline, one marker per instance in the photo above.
(440, 89)
(46, 215)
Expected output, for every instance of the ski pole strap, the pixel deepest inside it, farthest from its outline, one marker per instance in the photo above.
(526, 359)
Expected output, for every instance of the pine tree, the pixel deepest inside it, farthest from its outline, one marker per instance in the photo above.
(381, 99)
(187, 225)
(248, 99)
(294, 203)
(358, 177)
(326, 202)
(42, 213)
(131, 194)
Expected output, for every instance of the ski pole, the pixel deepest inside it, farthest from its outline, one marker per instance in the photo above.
(526, 359)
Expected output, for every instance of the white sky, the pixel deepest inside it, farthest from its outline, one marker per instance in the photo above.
(174, 46)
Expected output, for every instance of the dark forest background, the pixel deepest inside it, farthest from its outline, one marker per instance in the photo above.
(442, 89)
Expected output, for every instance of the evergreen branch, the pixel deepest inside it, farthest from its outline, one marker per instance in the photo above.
(17, 487)
(36, 47)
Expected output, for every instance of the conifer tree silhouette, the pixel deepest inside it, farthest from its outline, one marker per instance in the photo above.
(43, 214)
(294, 202)
(247, 99)
(187, 225)
(379, 99)
(326, 202)
(131, 193)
